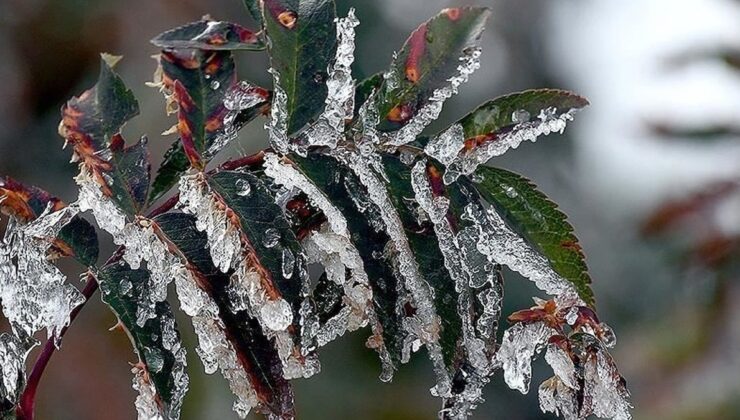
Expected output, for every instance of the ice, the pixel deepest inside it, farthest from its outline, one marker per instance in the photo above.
(277, 314)
(504, 246)
(33, 291)
(571, 316)
(447, 145)
(548, 121)
(557, 398)
(243, 187)
(288, 263)
(277, 128)
(91, 198)
(214, 348)
(224, 239)
(271, 238)
(146, 402)
(604, 393)
(329, 128)
(520, 344)
(562, 365)
(239, 98)
(469, 62)
(13, 352)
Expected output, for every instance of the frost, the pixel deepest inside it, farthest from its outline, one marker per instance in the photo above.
(504, 246)
(469, 63)
(239, 98)
(340, 100)
(520, 344)
(548, 121)
(33, 291)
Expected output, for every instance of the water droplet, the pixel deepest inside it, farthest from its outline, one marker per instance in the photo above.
(520, 116)
(510, 191)
(276, 314)
(243, 187)
(215, 84)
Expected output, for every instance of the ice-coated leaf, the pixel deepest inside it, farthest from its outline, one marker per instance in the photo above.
(537, 219)
(501, 124)
(14, 350)
(160, 376)
(92, 122)
(77, 239)
(365, 88)
(208, 34)
(426, 68)
(238, 334)
(302, 43)
(176, 162)
(346, 193)
(254, 8)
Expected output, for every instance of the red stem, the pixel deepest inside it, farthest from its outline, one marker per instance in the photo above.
(251, 160)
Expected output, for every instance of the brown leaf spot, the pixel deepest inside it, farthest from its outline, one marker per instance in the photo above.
(400, 113)
(453, 13)
(288, 19)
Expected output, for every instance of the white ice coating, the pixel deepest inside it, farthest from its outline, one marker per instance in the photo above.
(469, 63)
(561, 365)
(603, 393)
(520, 344)
(504, 246)
(548, 121)
(557, 398)
(340, 100)
(277, 128)
(146, 402)
(33, 291)
(239, 98)
(13, 353)
(425, 325)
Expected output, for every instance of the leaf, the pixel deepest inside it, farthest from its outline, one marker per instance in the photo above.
(208, 34)
(176, 162)
(537, 219)
(157, 343)
(77, 239)
(343, 189)
(255, 352)
(302, 43)
(92, 123)
(254, 8)
(497, 116)
(198, 80)
(365, 88)
(427, 60)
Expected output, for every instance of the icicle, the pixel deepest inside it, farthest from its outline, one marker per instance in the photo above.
(504, 246)
(425, 324)
(548, 121)
(521, 342)
(470, 62)
(33, 291)
(239, 98)
(339, 107)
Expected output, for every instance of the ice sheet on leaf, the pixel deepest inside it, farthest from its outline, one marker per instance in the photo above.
(520, 344)
(604, 393)
(548, 121)
(277, 127)
(339, 103)
(13, 352)
(33, 291)
(503, 246)
(557, 398)
(469, 63)
(241, 97)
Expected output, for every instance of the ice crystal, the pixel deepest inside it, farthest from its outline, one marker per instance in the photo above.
(562, 365)
(469, 62)
(339, 104)
(520, 344)
(240, 97)
(548, 121)
(277, 314)
(557, 398)
(33, 291)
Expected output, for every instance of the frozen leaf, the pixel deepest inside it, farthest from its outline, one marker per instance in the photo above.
(229, 339)
(428, 69)
(255, 9)
(520, 344)
(302, 42)
(160, 375)
(504, 123)
(208, 34)
(538, 220)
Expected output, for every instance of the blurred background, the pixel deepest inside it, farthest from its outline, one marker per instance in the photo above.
(649, 175)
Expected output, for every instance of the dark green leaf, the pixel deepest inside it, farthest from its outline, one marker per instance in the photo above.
(254, 8)
(208, 34)
(255, 352)
(532, 215)
(122, 288)
(81, 240)
(302, 43)
(365, 88)
(427, 60)
(130, 174)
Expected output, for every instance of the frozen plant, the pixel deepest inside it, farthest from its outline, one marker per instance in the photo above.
(409, 232)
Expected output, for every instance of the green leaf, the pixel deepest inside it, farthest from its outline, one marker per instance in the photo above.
(255, 351)
(345, 191)
(302, 44)
(254, 8)
(497, 116)
(427, 60)
(92, 123)
(208, 34)
(157, 343)
(81, 239)
(365, 88)
(537, 219)
(175, 161)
